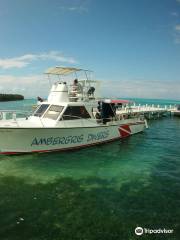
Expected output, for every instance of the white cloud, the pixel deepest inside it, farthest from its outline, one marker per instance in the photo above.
(176, 33)
(6, 79)
(74, 8)
(77, 6)
(174, 14)
(12, 63)
(23, 61)
(29, 86)
(38, 85)
(177, 27)
(142, 89)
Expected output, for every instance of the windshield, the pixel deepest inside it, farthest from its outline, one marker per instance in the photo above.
(75, 112)
(53, 112)
(41, 110)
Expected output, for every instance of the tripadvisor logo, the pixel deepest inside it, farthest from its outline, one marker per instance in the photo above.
(139, 231)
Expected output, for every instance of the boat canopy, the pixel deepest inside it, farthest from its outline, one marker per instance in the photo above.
(64, 70)
(121, 101)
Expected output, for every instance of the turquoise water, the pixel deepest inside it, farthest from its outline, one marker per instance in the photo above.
(102, 192)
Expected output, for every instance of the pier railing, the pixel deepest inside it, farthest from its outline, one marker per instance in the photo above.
(147, 108)
(149, 111)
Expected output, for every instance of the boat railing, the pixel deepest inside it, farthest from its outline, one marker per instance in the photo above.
(76, 117)
(82, 93)
(115, 118)
(13, 114)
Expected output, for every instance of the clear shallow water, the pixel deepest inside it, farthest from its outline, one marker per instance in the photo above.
(101, 192)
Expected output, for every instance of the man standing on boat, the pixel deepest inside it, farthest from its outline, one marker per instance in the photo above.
(77, 86)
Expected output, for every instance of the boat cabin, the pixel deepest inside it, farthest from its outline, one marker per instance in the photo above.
(71, 113)
(79, 113)
(64, 112)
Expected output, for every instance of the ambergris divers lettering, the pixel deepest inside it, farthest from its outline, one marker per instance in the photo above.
(57, 140)
(69, 139)
(98, 136)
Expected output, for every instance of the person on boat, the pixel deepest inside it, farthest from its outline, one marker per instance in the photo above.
(77, 86)
(108, 112)
(40, 99)
(99, 110)
(90, 92)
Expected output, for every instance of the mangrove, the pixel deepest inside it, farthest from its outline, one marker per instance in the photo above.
(10, 97)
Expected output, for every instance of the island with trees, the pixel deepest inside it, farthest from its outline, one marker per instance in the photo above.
(10, 97)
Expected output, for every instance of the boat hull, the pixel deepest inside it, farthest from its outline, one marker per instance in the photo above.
(26, 140)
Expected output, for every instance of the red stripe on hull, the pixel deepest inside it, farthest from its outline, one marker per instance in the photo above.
(125, 131)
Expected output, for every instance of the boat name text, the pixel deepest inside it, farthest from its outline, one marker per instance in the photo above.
(98, 136)
(70, 139)
(57, 140)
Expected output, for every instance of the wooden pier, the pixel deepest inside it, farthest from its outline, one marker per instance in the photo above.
(149, 111)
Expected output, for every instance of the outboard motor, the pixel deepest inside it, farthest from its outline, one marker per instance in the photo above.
(59, 93)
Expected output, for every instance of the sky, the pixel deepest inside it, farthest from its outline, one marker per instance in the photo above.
(133, 46)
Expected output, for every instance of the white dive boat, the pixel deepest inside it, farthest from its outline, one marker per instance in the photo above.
(72, 117)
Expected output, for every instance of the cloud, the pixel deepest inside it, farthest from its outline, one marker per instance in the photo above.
(79, 6)
(79, 9)
(6, 79)
(177, 27)
(38, 85)
(12, 63)
(142, 89)
(176, 33)
(174, 14)
(23, 61)
(29, 86)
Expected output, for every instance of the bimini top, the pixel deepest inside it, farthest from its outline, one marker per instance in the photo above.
(63, 70)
